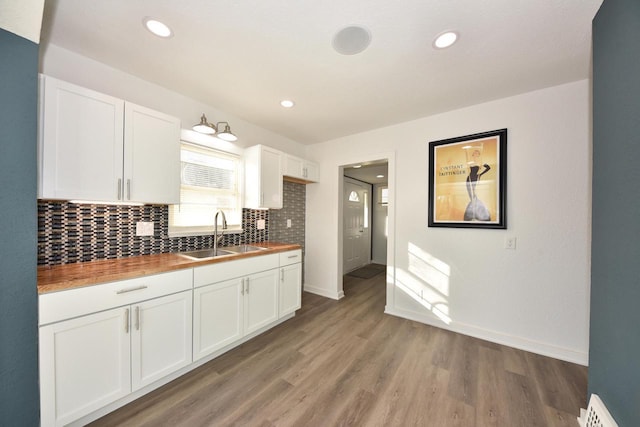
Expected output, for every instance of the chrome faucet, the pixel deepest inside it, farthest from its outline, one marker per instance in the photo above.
(216, 238)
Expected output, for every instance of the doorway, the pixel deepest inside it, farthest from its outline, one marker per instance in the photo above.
(365, 218)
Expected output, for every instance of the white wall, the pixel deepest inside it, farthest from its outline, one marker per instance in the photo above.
(22, 17)
(71, 67)
(536, 297)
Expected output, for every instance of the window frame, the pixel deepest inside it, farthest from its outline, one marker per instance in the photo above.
(225, 149)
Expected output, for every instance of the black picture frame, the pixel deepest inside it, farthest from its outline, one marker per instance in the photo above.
(468, 181)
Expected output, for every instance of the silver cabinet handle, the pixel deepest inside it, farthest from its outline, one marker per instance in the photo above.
(137, 288)
(137, 318)
(119, 188)
(292, 256)
(128, 189)
(282, 274)
(126, 321)
(248, 285)
(242, 290)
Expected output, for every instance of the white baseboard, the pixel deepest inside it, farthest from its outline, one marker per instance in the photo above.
(323, 292)
(568, 355)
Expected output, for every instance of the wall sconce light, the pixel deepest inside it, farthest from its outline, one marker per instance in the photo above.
(209, 129)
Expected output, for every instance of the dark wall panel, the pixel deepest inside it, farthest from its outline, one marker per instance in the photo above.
(614, 348)
(19, 396)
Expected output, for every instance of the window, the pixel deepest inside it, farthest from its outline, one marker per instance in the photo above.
(383, 197)
(209, 181)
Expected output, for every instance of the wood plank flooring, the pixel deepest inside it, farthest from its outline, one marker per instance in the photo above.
(345, 363)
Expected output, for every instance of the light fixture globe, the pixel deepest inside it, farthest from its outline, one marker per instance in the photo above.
(226, 133)
(204, 126)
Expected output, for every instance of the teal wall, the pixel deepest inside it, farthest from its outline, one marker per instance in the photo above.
(19, 395)
(614, 345)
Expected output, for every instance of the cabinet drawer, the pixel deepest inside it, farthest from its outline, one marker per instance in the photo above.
(228, 270)
(57, 306)
(290, 257)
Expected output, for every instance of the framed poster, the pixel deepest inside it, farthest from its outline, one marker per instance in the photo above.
(468, 180)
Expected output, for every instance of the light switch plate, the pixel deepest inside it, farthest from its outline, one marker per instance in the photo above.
(144, 228)
(510, 243)
(288, 223)
(261, 224)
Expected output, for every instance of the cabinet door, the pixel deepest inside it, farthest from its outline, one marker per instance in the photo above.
(261, 300)
(271, 178)
(152, 156)
(84, 365)
(290, 289)
(160, 337)
(217, 316)
(263, 177)
(311, 171)
(294, 167)
(80, 143)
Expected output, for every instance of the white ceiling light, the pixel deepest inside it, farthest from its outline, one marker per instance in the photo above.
(351, 40)
(158, 28)
(287, 103)
(445, 39)
(357, 166)
(379, 176)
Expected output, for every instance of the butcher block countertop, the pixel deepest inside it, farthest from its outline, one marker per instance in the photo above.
(69, 276)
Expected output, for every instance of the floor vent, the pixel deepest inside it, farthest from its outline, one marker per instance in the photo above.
(596, 414)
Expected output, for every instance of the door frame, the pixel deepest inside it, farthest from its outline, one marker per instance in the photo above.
(390, 158)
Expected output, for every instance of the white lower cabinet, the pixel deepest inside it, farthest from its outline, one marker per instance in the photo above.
(84, 365)
(161, 336)
(290, 282)
(88, 361)
(217, 316)
(260, 300)
(99, 344)
(227, 310)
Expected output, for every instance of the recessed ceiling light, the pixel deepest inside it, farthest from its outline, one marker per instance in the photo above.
(445, 39)
(379, 176)
(158, 28)
(287, 103)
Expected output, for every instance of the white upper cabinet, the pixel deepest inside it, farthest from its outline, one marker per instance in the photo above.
(263, 177)
(300, 169)
(151, 156)
(99, 148)
(80, 143)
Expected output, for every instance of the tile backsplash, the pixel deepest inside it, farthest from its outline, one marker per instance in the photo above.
(71, 232)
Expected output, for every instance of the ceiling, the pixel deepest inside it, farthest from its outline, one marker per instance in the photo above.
(369, 172)
(244, 56)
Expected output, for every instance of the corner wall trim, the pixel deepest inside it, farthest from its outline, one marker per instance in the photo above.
(323, 292)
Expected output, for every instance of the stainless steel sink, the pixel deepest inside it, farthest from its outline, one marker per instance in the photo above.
(206, 253)
(226, 250)
(241, 249)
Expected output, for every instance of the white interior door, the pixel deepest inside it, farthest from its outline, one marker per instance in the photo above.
(357, 234)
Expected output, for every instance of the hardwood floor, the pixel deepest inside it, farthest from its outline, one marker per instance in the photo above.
(340, 363)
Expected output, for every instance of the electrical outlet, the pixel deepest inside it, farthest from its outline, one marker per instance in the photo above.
(261, 224)
(144, 228)
(510, 243)
(288, 223)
